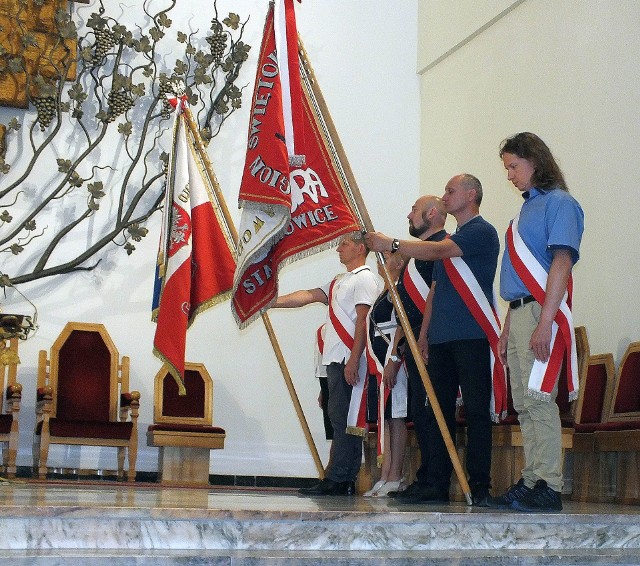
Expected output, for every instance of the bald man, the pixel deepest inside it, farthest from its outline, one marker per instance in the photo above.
(426, 222)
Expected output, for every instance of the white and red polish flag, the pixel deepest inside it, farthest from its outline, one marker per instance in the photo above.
(199, 264)
(293, 191)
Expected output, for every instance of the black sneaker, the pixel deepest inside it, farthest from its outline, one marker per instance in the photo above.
(516, 491)
(540, 498)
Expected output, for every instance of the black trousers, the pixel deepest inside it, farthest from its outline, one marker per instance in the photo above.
(324, 389)
(464, 364)
(418, 413)
(346, 449)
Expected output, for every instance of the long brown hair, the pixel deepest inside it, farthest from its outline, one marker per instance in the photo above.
(547, 174)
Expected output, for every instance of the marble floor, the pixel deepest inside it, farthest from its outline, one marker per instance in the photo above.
(109, 523)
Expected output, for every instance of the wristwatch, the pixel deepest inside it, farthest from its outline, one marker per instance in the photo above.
(394, 358)
(395, 246)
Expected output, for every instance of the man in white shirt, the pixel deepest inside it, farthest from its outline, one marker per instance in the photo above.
(349, 296)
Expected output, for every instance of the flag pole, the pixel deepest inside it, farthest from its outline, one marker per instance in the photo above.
(193, 128)
(365, 220)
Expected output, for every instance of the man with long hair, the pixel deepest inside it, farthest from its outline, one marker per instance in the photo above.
(542, 246)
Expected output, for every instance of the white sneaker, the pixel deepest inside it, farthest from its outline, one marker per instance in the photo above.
(373, 492)
(387, 487)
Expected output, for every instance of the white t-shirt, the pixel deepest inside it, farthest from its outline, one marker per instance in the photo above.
(357, 287)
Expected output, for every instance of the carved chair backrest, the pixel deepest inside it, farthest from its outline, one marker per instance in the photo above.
(84, 374)
(583, 353)
(595, 395)
(194, 408)
(626, 396)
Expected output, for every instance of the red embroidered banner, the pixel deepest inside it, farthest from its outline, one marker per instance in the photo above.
(288, 212)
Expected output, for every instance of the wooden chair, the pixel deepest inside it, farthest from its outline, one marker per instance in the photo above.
(617, 441)
(83, 397)
(592, 406)
(584, 359)
(626, 393)
(183, 426)
(11, 394)
(591, 476)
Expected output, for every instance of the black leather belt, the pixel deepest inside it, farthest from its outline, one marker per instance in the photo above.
(520, 302)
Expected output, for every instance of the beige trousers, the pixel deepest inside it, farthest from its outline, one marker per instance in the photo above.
(539, 420)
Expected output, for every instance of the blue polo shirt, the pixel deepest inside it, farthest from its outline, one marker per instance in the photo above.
(549, 220)
(450, 318)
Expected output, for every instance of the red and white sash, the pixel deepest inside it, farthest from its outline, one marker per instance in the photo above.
(485, 314)
(545, 374)
(416, 286)
(345, 329)
(375, 370)
(320, 338)
(321, 369)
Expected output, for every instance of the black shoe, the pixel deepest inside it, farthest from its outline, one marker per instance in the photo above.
(515, 492)
(424, 494)
(540, 498)
(480, 497)
(403, 493)
(329, 487)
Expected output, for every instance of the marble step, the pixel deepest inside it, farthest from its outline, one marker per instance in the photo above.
(120, 523)
(334, 558)
(253, 522)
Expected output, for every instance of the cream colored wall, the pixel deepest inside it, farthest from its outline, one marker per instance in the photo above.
(364, 57)
(568, 71)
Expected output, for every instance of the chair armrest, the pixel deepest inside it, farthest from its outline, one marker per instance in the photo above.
(44, 400)
(44, 393)
(14, 391)
(14, 397)
(129, 405)
(128, 399)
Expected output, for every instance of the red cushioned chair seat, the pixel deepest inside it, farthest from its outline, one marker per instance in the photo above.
(5, 423)
(185, 428)
(88, 429)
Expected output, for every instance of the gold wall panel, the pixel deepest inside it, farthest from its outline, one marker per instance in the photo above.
(47, 57)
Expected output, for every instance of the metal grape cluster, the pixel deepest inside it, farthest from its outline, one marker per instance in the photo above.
(217, 41)
(46, 109)
(105, 40)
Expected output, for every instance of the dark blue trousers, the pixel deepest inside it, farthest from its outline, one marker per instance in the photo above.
(464, 364)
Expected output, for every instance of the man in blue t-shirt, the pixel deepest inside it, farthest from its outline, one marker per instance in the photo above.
(549, 227)
(453, 342)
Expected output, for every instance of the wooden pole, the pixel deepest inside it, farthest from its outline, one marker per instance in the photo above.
(193, 128)
(365, 220)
